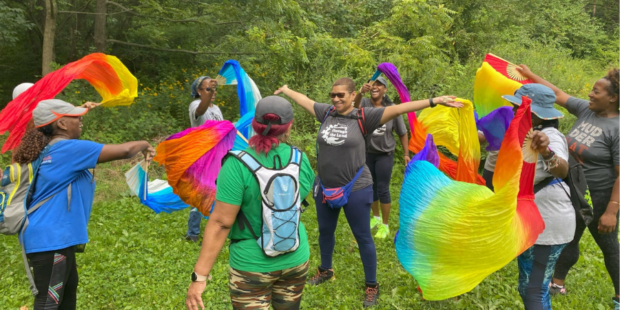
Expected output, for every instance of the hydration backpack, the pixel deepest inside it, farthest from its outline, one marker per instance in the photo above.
(16, 190)
(280, 203)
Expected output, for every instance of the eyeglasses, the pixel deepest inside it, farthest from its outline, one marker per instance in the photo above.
(339, 95)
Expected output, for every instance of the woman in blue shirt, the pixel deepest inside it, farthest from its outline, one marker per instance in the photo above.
(68, 189)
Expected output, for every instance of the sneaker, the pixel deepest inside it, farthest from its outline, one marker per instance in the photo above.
(382, 232)
(193, 239)
(372, 294)
(374, 222)
(555, 289)
(321, 276)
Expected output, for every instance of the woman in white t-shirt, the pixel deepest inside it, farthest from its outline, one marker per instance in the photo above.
(552, 198)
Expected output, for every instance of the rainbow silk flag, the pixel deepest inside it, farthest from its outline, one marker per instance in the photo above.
(440, 121)
(495, 78)
(112, 80)
(233, 74)
(454, 234)
(193, 159)
(157, 194)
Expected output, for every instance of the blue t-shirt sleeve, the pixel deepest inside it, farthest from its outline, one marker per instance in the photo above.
(79, 155)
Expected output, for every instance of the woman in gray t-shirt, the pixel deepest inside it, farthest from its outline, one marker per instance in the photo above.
(380, 145)
(593, 141)
(341, 158)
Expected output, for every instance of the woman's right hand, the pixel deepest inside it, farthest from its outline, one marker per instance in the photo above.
(281, 90)
(525, 71)
(193, 301)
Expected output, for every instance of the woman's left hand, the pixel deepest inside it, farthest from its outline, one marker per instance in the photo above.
(407, 159)
(607, 223)
(448, 101)
(90, 105)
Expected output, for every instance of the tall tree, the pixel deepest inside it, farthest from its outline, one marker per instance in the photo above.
(49, 35)
(100, 24)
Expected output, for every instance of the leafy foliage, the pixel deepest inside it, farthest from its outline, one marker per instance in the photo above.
(138, 260)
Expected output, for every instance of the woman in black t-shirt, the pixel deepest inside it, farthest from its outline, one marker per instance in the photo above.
(341, 163)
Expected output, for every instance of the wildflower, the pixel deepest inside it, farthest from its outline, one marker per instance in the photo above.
(155, 94)
(77, 91)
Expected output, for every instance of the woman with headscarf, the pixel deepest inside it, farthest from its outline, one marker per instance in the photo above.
(380, 146)
(593, 141)
(256, 280)
(344, 179)
(66, 188)
(202, 109)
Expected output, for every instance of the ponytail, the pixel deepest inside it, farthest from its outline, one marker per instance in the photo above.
(33, 142)
(264, 143)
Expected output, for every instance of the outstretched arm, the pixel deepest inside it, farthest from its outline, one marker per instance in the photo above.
(111, 152)
(560, 96)
(393, 111)
(299, 98)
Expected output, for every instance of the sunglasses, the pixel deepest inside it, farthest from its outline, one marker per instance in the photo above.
(339, 95)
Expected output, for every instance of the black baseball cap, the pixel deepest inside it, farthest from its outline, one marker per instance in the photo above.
(273, 105)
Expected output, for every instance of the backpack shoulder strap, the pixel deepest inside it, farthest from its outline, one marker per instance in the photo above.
(361, 120)
(295, 155)
(328, 112)
(248, 160)
(540, 185)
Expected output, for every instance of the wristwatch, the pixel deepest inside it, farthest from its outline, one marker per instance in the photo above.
(198, 278)
(431, 103)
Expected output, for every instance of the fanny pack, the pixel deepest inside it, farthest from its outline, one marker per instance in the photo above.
(337, 197)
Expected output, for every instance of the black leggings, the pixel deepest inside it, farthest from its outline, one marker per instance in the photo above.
(56, 278)
(488, 177)
(608, 243)
(380, 166)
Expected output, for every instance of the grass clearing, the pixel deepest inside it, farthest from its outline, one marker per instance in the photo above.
(137, 259)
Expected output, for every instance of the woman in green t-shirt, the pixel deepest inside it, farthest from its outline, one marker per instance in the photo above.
(255, 279)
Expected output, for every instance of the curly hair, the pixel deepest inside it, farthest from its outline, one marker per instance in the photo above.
(33, 142)
(612, 77)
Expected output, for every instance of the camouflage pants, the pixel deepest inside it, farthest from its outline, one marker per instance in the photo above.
(256, 290)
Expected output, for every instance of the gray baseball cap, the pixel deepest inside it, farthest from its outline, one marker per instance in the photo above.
(50, 110)
(274, 105)
(382, 81)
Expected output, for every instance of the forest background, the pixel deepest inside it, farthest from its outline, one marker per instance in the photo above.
(307, 44)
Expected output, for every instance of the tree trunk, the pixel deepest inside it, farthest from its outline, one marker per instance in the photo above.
(100, 23)
(48, 36)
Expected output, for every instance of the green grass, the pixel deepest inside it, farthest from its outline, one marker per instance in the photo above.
(137, 259)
